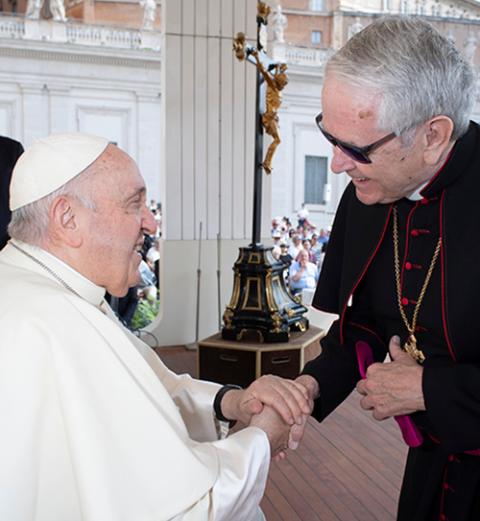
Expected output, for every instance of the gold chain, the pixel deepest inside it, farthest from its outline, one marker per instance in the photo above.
(410, 345)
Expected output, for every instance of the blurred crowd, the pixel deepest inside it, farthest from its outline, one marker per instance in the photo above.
(301, 247)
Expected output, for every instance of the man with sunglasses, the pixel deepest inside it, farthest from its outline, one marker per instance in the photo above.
(401, 269)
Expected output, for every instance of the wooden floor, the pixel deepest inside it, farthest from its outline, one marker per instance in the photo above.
(348, 468)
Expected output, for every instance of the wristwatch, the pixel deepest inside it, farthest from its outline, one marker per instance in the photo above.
(218, 400)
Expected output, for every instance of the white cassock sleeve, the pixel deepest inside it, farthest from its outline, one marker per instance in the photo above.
(242, 477)
(194, 398)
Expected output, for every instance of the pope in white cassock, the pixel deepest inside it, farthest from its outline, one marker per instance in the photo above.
(94, 426)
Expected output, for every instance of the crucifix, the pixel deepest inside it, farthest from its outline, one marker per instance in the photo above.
(271, 80)
(261, 302)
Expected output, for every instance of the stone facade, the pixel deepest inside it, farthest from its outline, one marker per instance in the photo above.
(65, 77)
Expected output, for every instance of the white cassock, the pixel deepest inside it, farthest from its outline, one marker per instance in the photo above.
(94, 427)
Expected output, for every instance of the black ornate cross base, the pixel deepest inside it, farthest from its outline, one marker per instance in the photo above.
(260, 300)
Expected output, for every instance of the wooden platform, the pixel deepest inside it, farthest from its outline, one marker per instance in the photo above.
(349, 468)
(240, 363)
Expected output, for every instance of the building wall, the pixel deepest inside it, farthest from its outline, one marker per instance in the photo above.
(51, 87)
(300, 28)
(123, 14)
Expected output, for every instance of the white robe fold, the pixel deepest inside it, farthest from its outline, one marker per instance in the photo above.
(94, 426)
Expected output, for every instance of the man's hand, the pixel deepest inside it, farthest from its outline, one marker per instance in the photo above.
(297, 431)
(288, 398)
(393, 388)
(275, 428)
(311, 385)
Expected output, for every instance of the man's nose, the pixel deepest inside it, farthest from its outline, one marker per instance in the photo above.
(341, 162)
(149, 224)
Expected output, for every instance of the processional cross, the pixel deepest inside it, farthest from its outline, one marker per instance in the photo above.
(271, 80)
(260, 300)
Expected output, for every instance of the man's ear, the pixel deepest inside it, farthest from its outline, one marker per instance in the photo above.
(438, 136)
(65, 220)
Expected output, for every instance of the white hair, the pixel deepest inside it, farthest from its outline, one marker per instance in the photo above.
(417, 72)
(30, 223)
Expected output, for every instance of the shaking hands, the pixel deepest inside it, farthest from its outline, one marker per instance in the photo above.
(278, 406)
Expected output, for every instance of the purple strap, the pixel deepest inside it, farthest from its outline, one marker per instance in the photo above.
(410, 432)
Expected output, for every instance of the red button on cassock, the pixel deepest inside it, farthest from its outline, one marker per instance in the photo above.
(424, 201)
(404, 301)
(408, 266)
(414, 233)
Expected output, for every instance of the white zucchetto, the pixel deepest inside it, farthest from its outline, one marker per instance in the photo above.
(51, 162)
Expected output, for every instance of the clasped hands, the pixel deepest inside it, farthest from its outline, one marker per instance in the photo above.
(393, 388)
(278, 406)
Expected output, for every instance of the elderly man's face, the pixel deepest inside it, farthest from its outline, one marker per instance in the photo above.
(303, 258)
(350, 115)
(118, 223)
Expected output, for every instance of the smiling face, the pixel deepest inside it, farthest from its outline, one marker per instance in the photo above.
(350, 114)
(114, 230)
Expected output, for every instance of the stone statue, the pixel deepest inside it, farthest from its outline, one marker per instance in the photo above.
(469, 48)
(57, 9)
(149, 11)
(354, 28)
(451, 37)
(279, 24)
(33, 9)
(276, 82)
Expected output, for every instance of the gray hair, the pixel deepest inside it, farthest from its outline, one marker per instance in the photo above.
(29, 223)
(418, 73)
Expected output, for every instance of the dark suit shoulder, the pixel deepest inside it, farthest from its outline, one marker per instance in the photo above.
(10, 149)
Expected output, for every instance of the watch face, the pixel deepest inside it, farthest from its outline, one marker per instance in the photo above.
(263, 37)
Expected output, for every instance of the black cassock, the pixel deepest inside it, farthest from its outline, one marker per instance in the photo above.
(10, 150)
(442, 481)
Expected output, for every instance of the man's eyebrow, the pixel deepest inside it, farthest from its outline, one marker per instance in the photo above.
(139, 192)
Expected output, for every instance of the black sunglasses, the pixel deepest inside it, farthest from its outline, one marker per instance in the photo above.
(358, 154)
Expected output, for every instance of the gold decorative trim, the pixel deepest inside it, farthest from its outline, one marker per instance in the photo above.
(236, 291)
(301, 326)
(269, 292)
(227, 318)
(246, 297)
(246, 330)
(277, 322)
(254, 258)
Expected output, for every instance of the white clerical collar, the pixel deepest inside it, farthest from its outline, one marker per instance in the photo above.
(44, 262)
(416, 196)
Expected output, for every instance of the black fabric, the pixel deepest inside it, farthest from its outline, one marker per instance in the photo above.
(437, 484)
(10, 151)
(359, 265)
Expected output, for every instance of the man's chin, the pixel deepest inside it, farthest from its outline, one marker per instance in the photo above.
(371, 199)
(118, 292)
(367, 199)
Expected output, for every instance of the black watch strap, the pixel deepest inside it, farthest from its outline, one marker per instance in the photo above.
(218, 400)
